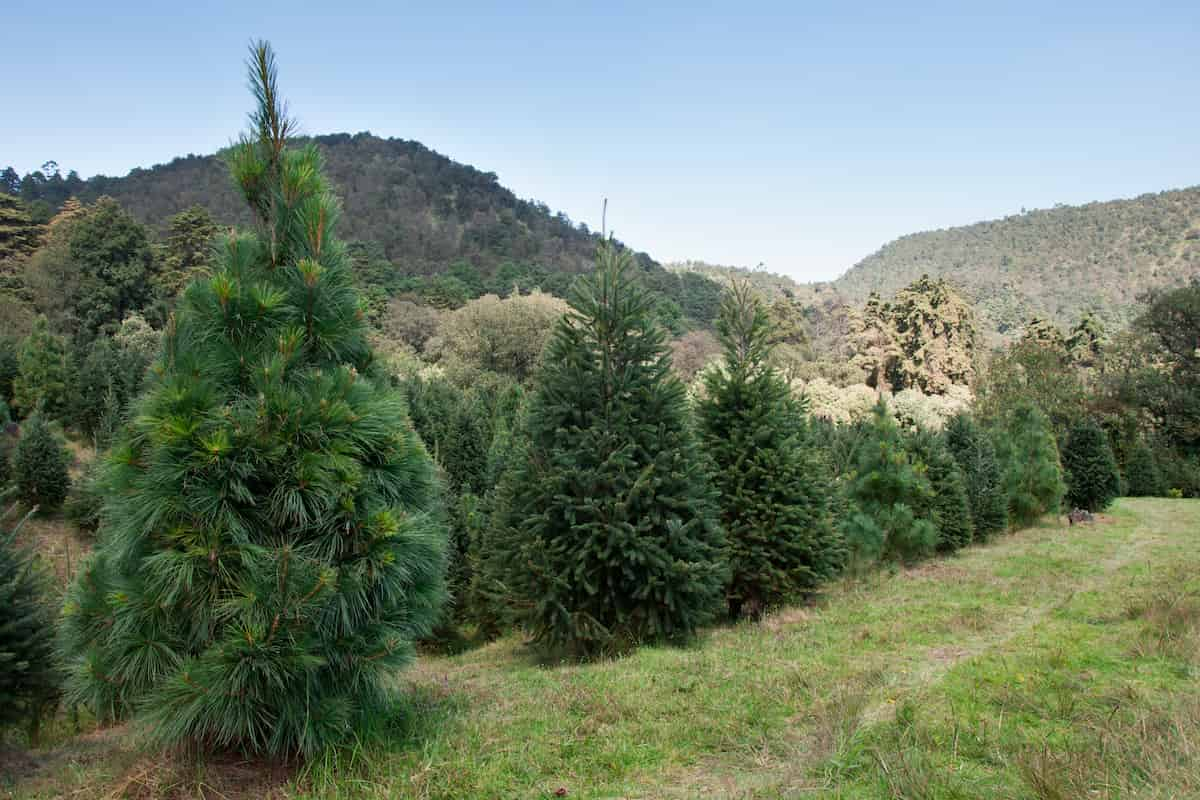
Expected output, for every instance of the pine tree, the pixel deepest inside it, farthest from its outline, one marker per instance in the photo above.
(28, 676)
(609, 535)
(1090, 469)
(19, 234)
(40, 466)
(774, 495)
(891, 499)
(1033, 478)
(1143, 477)
(42, 372)
(270, 546)
(976, 455)
(948, 508)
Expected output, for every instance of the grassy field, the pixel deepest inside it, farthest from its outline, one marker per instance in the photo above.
(1058, 662)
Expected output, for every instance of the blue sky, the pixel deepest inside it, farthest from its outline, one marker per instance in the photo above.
(802, 136)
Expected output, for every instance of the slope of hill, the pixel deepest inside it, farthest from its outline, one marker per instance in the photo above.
(1055, 263)
(424, 209)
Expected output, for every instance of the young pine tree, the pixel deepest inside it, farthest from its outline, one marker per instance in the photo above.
(890, 499)
(1033, 478)
(270, 547)
(42, 372)
(949, 508)
(40, 466)
(976, 455)
(608, 535)
(1143, 477)
(28, 676)
(775, 498)
(1090, 469)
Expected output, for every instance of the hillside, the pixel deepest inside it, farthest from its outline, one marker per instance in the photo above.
(1055, 263)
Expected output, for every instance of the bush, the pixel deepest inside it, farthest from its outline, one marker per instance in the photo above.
(982, 476)
(40, 466)
(1090, 467)
(1033, 478)
(608, 535)
(502, 335)
(949, 507)
(888, 494)
(1143, 478)
(28, 678)
(271, 546)
(774, 496)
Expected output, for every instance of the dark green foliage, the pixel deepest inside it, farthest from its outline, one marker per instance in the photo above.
(949, 507)
(889, 493)
(43, 375)
(609, 535)
(40, 466)
(982, 475)
(1028, 454)
(775, 498)
(1172, 323)
(1089, 467)
(10, 365)
(188, 252)
(270, 545)
(105, 381)
(1143, 478)
(28, 675)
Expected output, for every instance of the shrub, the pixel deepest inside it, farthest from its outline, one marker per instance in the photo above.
(608, 535)
(40, 466)
(774, 496)
(1090, 469)
(888, 493)
(1033, 479)
(502, 335)
(271, 545)
(28, 677)
(982, 475)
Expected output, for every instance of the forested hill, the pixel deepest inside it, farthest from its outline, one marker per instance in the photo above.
(425, 210)
(1055, 263)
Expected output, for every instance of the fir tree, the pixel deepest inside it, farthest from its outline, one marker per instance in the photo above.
(40, 466)
(609, 535)
(270, 547)
(42, 372)
(949, 507)
(888, 494)
(774, 493)
(28, 677)
(976, 455)
(1090, 469)
(1033, 477)
(1143, 477)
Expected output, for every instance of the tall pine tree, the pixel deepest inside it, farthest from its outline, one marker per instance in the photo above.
(609, 534)
(270, 549)
(775, 498)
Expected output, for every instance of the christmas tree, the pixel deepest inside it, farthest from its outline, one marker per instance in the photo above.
(608, 535)
(40, 466)
(270, 546)
(775, 498)
(1142, 473)
(1033, 477)
(949, 507)
(976, 456)
(1090, 467)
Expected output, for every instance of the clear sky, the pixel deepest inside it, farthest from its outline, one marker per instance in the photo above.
(799, 135)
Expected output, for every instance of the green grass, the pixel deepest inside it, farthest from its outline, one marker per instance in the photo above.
(1058, 662)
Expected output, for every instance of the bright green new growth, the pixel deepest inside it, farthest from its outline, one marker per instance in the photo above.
(28, 678)
(1090, 469)
(890, 498)
(775, 498)
(1033, 478)
(39, 466)
(608, 535)
(269, 549)
(976, 455)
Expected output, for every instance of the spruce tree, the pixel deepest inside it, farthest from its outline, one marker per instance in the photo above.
(270, 547)
(609, 535)
(40, 465)
(949, 507)
(1033, 478)
(1089, 467)
(1143, 477)
(28, 675)
(891, 498)
(42, 373)
(775, 498)
(976, 455)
